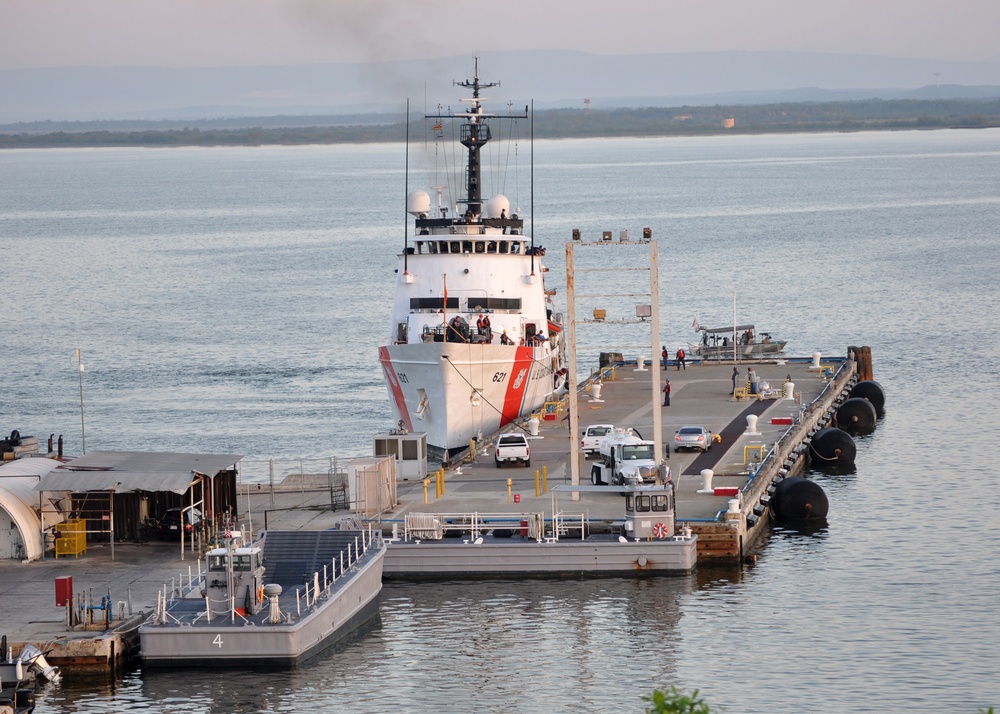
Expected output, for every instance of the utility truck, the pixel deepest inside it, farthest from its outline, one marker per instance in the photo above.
(627, 460)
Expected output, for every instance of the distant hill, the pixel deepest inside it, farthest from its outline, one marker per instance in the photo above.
(550, 79)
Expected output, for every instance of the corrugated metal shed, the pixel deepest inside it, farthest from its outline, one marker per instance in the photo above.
(126, 471)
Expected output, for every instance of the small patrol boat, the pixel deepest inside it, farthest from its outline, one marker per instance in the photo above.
(739, 342)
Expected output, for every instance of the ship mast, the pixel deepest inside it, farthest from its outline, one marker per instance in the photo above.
(474, 135)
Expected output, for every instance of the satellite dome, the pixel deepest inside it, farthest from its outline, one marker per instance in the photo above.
(496, 204)
(418, 202)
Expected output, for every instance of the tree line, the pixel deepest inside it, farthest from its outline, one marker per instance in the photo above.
(873, 114)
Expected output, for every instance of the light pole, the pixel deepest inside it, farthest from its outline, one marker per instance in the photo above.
(83, 427)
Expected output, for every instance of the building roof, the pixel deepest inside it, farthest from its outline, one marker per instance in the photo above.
(125, 471)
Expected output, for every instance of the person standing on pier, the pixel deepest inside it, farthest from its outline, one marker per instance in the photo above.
(666, 394)
(664, 356)
(736, 375)
(681, 364)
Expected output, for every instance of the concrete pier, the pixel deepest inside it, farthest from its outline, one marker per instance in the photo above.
(702, 395)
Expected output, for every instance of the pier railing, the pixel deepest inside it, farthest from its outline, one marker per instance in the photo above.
(790, 446)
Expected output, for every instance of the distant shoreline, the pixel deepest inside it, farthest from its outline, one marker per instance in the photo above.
(805, 117)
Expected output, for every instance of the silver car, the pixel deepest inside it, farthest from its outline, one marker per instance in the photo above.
(693, 437)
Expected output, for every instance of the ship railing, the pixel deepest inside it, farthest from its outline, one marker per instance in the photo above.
(564, 523)
(184, 585)
(434, 526)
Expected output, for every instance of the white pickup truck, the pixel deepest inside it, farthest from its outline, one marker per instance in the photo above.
(513, 447)
(590, 444)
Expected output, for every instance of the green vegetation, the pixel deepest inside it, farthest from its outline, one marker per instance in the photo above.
(676, 702)
(863, 115)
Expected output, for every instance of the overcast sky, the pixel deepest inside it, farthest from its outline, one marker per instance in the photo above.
(211, 33)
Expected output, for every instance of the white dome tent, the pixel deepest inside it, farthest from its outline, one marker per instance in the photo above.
(20, 524)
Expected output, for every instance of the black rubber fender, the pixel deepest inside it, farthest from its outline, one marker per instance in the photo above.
(872, 391)
(799, 499)
(856, 416)
(24, 699)
(832, 446)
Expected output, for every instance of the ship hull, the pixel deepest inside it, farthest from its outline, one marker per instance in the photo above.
(458, 392)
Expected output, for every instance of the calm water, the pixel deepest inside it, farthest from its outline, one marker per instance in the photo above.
(232, 300)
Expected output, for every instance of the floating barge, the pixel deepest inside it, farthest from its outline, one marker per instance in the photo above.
(528, 545)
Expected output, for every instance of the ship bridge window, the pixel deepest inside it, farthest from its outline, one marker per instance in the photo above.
(504, 246)
(515, 247)
(642, 504)
(243, 562)
(467, 246)
(217, 562)
(433, 303)
(432, 247)
(491, 247)
(661, 503)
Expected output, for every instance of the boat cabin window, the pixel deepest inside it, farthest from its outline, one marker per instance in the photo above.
(491, 247)
(241, 562)
(642, 504)
(661, 503)
(504, 246)
(217, 562)
(432, 246)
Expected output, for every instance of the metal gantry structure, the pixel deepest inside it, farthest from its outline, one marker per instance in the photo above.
(606, 243)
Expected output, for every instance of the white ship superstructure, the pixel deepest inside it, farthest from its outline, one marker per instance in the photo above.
(475, 342)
